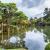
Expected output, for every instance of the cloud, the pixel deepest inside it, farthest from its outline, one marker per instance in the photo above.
(36, 9)
(9, 1)
(31, 8)
(31, 3)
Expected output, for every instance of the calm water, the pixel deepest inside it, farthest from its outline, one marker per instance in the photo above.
(34, 39)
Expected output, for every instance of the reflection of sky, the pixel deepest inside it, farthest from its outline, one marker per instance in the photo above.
(31, 8)
(14, 39)
(34, 40)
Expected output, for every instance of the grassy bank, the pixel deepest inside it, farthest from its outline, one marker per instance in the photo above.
(15, 49)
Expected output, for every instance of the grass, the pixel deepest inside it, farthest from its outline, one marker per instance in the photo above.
(15, 49)
(0, 49)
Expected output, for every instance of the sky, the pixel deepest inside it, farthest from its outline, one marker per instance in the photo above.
(31, 8)
(8, 1)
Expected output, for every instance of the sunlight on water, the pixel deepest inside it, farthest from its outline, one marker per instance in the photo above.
(34, 40)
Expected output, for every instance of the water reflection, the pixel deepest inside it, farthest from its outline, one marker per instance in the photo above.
(34, 40)
(14, 39)
(46, 30)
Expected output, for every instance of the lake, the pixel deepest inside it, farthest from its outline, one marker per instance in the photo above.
(35, 38)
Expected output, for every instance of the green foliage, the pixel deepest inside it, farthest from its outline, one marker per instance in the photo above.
(46, 18)
(47, 47)
(14, 18)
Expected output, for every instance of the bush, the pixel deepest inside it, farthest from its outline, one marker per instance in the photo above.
(47, 47)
